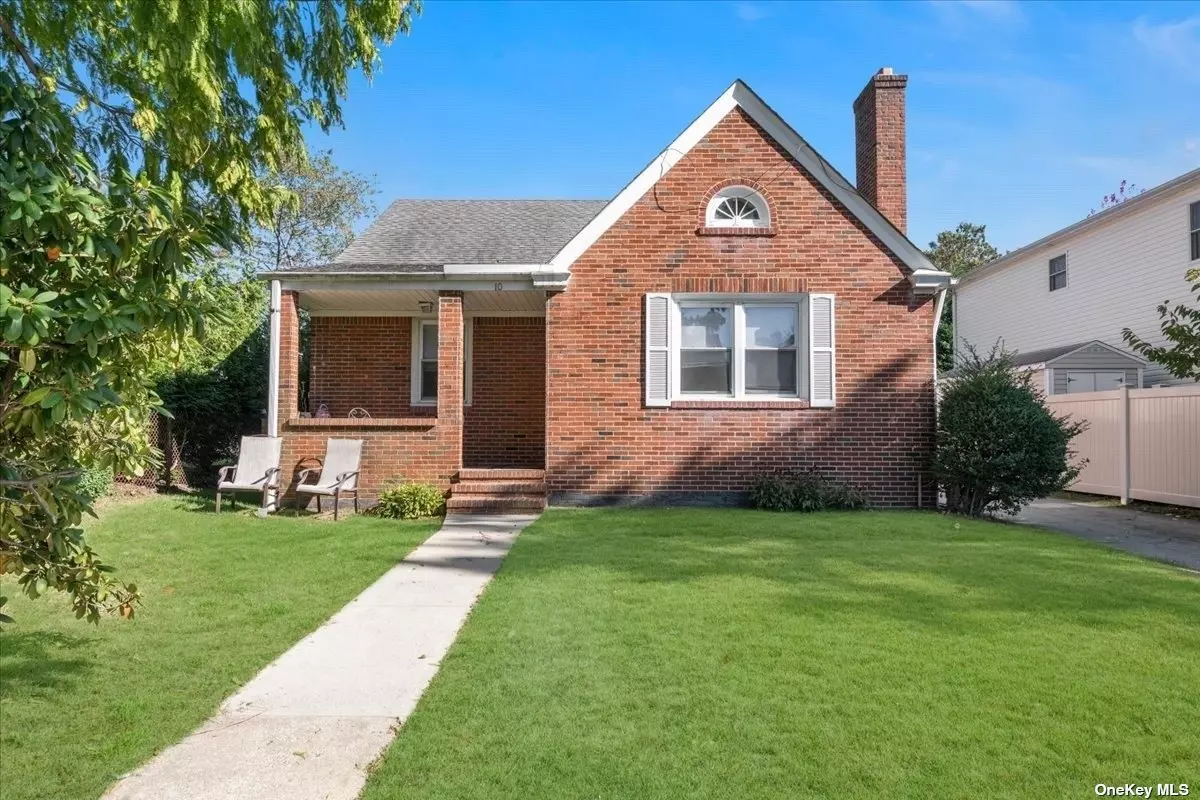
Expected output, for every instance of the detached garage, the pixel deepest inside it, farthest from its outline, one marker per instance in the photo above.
(1085, 367)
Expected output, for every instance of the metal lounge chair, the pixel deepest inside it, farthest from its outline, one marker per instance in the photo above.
(338, 474)
(257, 470)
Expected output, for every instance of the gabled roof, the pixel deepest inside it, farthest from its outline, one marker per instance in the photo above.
(1129, 206)
(545, 237)
(1051, 354)
(424, 235)
(739, 95)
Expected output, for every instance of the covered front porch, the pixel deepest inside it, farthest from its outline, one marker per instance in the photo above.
(442, 380)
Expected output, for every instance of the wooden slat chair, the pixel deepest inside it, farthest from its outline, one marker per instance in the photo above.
(257, 470)
(338, 474)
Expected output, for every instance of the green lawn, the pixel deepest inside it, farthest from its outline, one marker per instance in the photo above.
(719, 654)
(80, 705)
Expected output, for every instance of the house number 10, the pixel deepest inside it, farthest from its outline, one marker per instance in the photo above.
(499, 287)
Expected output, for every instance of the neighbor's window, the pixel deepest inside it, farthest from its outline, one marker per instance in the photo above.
(428, 362)
(739, 349)
(1195, 209)
(737, 207)
(1058, 272)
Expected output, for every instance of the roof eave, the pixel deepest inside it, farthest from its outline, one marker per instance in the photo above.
(930, 281)
(1108, 215)
(740, 95)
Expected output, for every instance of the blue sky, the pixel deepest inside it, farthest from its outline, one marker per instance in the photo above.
(1020, 115)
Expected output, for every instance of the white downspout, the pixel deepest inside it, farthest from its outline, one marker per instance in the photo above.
(954, 324)
(273, 369)
(939, 304)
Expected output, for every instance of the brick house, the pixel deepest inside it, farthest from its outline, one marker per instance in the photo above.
(737, 308)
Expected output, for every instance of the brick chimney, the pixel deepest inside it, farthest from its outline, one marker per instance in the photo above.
(880, 168)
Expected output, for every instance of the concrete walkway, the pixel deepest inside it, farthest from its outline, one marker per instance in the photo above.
(310, 724)
(1151, 535)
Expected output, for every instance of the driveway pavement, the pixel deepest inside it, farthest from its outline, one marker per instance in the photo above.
(1151, 535)
(309, 725)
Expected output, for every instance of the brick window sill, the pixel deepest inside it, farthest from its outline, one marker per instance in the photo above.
(301, 423)
(741, 405)
(705, 231)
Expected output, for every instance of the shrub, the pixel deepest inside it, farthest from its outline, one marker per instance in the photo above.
(998, 445)
(95, 482)
(411, 501)
(805, 490)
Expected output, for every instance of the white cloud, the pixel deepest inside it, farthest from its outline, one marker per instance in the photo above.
(1176, 43)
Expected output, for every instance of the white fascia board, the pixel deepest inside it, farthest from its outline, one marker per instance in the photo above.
(456, 270)
(741, 95)
(480, 283)
(649, 176)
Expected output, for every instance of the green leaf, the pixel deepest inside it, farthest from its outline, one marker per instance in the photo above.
(28, 359)
(36, 396)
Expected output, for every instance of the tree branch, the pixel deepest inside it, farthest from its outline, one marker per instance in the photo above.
(22, 50)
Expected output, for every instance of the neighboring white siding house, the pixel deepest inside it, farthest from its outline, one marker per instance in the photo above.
(1120, 265)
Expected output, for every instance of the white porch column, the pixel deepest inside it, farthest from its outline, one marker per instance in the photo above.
(273, 369)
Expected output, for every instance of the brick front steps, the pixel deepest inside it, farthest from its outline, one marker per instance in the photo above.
(498, 490)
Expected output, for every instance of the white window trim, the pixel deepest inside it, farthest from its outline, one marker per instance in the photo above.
(1192, 231)
(760, 203)
(415, 360)
(739, 302)
(1051, 274)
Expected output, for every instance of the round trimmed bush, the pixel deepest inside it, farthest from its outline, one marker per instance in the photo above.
(998, 445)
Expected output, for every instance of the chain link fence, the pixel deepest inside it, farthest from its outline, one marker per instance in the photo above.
(170, 473)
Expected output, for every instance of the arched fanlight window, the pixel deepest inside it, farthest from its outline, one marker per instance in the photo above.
(737, 207)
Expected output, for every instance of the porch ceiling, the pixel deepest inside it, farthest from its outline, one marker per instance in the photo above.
(325, 301)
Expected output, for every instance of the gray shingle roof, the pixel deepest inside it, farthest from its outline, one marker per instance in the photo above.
(422, 235)
(1049, 354)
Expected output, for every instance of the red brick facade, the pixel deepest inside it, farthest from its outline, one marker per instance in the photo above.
(603, 442)
(403, 446)
(366, 362)
(505, 425)
(567, 392)
(362, 362)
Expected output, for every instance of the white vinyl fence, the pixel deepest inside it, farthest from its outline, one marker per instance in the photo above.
(1141, 443)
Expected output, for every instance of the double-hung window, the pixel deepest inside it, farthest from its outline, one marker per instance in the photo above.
(425, 388)
(1058, 272)
(425, 361)
(1194, 219)
(739, 348)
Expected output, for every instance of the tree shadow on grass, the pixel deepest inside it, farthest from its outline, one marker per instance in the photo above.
(40, 660)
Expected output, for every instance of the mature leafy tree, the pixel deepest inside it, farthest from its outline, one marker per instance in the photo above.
(998, 445)
(138, 137)
(212, 93)
(958, 252)
(217, 390)
(1180, 325)
(318, 223)
(93, 295)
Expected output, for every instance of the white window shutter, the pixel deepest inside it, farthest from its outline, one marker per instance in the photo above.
(658, 349)
(821, 362)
